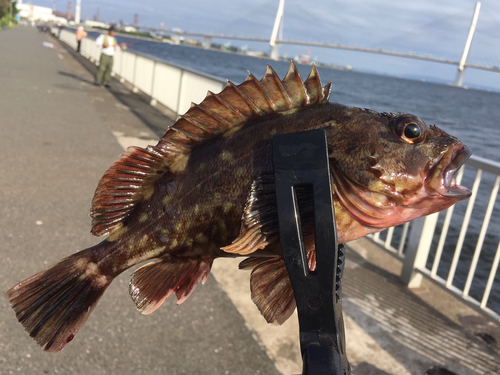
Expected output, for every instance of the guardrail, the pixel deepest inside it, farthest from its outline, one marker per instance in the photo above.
(415, 243)
(173, 86)
(422, 243)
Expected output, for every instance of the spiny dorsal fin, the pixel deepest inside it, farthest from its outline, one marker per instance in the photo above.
(235, 105)
(130, 179)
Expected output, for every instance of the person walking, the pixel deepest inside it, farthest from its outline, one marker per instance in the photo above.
(80, 34)
(107, 43)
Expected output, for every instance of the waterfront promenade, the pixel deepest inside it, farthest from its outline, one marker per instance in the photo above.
(58, 134)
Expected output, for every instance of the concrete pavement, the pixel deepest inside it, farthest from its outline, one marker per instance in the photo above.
(56, 140)
(59, 133)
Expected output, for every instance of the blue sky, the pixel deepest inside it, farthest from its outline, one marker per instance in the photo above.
(429, 27)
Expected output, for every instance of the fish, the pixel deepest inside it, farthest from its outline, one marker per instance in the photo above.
(206, 190)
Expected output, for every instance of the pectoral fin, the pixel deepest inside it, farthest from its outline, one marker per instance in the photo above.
(259, 225)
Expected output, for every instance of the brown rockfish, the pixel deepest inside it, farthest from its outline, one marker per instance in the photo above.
(206, 190)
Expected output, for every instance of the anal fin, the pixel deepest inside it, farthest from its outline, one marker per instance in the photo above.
(154, 282)
(271, 290)
(270, 285)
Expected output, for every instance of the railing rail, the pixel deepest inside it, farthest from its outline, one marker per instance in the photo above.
(177, 87)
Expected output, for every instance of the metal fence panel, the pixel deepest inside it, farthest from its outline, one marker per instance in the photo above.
(144, 74)
(167, 85)
(194, 89)
(69, 38)
(128, 66)
(117, 63)
(85, 47)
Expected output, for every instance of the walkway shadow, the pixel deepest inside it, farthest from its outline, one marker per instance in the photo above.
(137, 103)
(78, 78)
(365, 368)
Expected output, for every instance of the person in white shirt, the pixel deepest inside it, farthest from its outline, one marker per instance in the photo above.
(107, 43)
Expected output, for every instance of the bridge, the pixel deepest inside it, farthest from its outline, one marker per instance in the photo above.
(276, 41)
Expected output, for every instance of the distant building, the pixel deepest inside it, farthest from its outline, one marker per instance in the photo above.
(35, 13)
(90, 23)
(130, 29)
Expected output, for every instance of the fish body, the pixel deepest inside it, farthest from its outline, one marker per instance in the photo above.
(206, 190)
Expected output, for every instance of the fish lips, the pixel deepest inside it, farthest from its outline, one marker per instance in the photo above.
(444, 175)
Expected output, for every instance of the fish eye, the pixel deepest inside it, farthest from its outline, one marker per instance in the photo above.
(410, 129)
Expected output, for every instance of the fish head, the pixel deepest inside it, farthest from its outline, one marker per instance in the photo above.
(392, 168)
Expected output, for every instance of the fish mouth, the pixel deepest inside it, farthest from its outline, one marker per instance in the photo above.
(455, 158)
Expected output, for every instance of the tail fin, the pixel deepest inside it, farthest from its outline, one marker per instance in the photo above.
(55, 303)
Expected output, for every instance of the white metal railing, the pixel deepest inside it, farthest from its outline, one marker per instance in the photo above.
(172, 86)
(424, 241)
(176, 87)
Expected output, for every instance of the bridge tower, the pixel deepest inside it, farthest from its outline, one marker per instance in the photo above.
(78, 11)
(69, 14)
(278, 27)
(459, 80)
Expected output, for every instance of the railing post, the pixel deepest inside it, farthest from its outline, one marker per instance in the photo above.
(207, 42)
(122, 57)
(179, 95)
(153, 100)
(419, 244)
(135, 89)
(177, 38)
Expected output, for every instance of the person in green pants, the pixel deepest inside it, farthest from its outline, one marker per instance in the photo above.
(107, 43)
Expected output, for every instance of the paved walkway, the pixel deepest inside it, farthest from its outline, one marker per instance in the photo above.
(58, 134)
(56, 140)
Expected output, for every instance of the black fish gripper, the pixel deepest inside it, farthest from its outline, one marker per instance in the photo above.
(301, 160)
